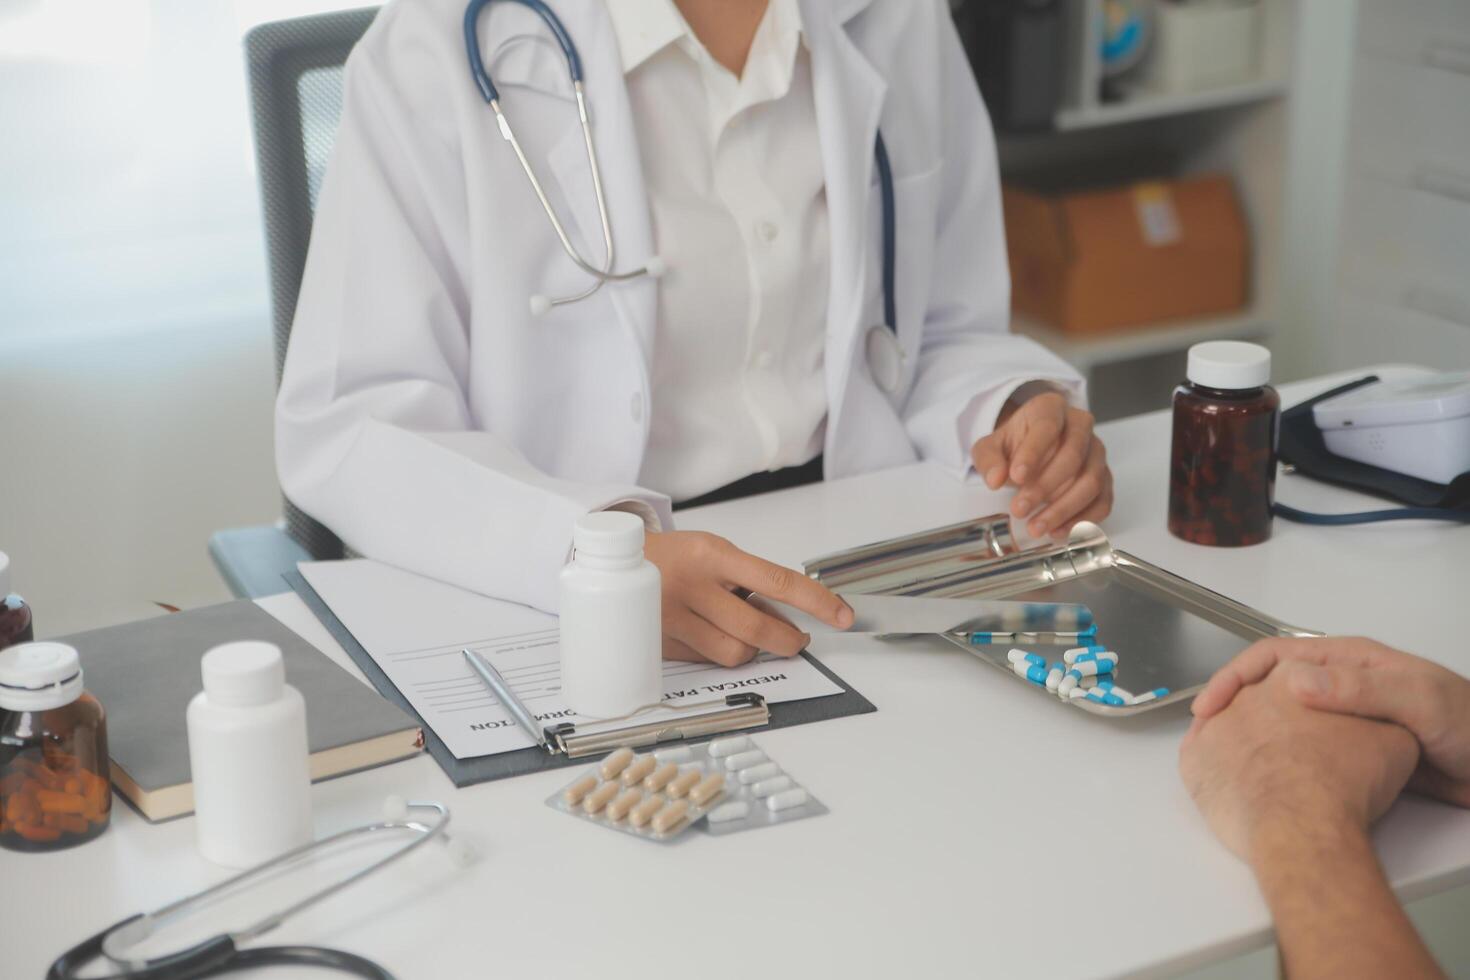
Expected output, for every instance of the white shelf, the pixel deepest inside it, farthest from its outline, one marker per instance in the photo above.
(1085, 352)
(1146, 105)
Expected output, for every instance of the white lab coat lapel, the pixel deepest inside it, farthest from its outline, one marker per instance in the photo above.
(529, 58)
(849, 95)
(616, 139)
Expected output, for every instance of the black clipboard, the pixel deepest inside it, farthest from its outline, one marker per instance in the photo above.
(483, 769)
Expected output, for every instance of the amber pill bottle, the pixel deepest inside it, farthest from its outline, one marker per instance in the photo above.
(1222, 470)
(15, 615)
(54, 787)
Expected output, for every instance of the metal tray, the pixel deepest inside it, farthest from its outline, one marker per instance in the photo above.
(1168, 631)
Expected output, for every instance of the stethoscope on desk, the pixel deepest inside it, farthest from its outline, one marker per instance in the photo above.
(222, 954)
(885, 354)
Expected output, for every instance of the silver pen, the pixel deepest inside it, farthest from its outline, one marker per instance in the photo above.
(507, 697)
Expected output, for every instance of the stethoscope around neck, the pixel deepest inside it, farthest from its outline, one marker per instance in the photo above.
(884, 353)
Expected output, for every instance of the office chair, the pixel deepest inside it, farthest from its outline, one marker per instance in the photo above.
(295, 69)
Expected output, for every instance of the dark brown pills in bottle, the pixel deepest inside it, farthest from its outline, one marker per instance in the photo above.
(1222, 469)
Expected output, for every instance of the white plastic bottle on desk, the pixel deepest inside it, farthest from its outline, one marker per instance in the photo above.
(611, 632)
(248, 757)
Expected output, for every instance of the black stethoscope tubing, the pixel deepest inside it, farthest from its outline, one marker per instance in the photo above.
(215, 957)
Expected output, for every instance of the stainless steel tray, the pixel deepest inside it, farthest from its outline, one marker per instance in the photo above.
(1168, 631)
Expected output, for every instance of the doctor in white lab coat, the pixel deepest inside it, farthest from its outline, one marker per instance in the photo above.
(434, 422)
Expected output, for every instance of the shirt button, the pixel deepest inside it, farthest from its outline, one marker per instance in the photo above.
(635, 407)
(768, 231)
(764, 359)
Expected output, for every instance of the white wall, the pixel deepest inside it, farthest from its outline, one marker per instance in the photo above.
(1317, 129)
(135, 368)
(120, 453)
(1374, 260)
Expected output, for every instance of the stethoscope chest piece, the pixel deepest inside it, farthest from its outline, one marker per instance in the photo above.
(885, 357)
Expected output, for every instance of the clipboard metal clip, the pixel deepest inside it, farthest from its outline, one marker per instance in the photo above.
(659, 723)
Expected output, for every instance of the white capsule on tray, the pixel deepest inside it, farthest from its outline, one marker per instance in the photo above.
(787, 799)
(769, 787)
(744, 760)
(734, 810)
(756, 773)
(722, 747)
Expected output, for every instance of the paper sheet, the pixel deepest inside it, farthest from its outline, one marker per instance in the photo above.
(415, 628)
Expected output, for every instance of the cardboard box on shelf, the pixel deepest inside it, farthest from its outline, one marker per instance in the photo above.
(1095, 261)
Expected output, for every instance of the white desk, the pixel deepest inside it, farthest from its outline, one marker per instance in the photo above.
(955, 858)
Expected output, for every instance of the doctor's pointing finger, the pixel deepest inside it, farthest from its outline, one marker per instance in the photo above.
(576, 255)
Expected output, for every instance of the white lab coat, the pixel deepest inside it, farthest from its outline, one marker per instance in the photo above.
(434, 423)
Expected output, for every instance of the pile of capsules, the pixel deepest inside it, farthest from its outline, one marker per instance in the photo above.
(1083, 673)
(730, 784)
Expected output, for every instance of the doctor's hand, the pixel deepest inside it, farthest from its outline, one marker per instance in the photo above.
(703, 617)
(1356, 676)
(1046, 448)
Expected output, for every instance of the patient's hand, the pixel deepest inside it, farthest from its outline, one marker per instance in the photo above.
(1293, 790)
(1355, 676)
(1268, 763)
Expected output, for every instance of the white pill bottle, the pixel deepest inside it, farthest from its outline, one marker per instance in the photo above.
(611, 631)
(248, 757)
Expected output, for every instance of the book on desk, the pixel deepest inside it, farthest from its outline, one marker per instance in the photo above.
(145, 674)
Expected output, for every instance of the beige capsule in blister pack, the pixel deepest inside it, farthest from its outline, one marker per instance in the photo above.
(656, 796)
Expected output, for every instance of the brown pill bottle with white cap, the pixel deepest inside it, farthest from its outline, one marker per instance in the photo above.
(1222, 474)
(15, 614)
(54, 772)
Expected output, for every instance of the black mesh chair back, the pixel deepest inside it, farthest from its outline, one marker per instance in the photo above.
(295, 71)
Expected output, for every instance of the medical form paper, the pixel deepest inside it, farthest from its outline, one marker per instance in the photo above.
(419, 650)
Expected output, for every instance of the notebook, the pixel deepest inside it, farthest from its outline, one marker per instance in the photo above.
(145, 674)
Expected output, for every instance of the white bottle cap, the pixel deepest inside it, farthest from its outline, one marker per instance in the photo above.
(39, 676)
(609, 534)
(1229, 364)
(244, 673)
(4, 575)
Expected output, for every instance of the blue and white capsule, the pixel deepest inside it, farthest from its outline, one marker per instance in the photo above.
(1067, 685)
(1148, 696)
(1091, 668)
(1018, 657)
(1034, 673)
(1054, 677)
(1107, 657)
(1070, 656)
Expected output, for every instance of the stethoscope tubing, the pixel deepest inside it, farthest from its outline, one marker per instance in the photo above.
(220, 954)
(603, 273)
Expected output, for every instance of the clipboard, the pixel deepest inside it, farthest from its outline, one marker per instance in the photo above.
(467, 772)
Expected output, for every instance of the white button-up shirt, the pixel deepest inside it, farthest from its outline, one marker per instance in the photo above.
(735, 179)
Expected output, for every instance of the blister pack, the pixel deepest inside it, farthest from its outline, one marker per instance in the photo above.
(730, 784)
(652, 795)
(758, 792)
